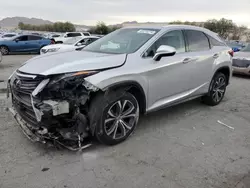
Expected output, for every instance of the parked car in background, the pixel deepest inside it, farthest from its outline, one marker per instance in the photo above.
(9, 35)
(103, 90)
(23, 43)
(75, 43)
(236, 45)
(241, 61)
(64, 37)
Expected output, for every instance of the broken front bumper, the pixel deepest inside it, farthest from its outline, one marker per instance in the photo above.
(40, 133)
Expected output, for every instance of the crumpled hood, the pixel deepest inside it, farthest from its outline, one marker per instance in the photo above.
(73, 61)
(242, 55)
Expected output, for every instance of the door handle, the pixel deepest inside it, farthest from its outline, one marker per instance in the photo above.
(187, 60)
(215, 56)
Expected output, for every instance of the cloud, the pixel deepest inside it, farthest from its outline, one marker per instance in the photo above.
(115, 11)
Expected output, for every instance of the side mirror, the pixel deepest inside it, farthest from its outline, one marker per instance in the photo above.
(65, 36)
(164, 51)
(17, 40)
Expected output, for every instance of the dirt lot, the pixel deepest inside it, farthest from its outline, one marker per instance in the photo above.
(179, 147)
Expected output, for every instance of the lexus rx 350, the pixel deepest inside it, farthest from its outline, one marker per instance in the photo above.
(101, 91)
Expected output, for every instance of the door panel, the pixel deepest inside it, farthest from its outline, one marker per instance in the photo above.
(21, 44)
(167, 78)
(171, 75)
(200, 49)
(33, 43)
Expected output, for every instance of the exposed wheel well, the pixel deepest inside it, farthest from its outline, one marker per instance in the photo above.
(225, 71)
(135, 89)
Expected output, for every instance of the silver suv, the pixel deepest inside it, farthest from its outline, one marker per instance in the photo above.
(68, 98)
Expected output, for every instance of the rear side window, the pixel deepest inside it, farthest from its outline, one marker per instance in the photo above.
(215, 42)
(86, 34)
(197, 41)
(74, 34)
(34, 37)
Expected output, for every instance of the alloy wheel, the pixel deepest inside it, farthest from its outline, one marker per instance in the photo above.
(219, 89)
(4, 50)
(121, 118)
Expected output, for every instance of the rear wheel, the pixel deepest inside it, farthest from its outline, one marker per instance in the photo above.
(4, 50)
(217, 90)
(118, 115)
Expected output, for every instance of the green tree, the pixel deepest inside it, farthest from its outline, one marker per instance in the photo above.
(21, 25)
(101, 28)
(238, 32)
(56, 27)
(223, 26)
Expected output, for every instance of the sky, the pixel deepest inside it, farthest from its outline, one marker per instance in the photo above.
(89, 12)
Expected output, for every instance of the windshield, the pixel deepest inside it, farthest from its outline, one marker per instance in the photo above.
(122, 41)
(72, 40)
(246, 49)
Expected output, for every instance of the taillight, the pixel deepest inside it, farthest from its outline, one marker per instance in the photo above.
(231, 52)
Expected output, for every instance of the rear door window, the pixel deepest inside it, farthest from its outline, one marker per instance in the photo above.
(197, 41)
(74, 34)
(31, 37)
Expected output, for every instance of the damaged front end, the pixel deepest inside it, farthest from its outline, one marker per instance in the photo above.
(53, 109)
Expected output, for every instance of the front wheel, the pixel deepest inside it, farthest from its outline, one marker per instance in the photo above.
(4, 50)
(118, 115)
(217, 90)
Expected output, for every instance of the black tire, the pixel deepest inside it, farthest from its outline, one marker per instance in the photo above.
(100, 119)
(4, 50)
(218, 85)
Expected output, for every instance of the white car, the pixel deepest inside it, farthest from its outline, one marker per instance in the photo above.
(64, 37)
(76, 43)
(8, 35)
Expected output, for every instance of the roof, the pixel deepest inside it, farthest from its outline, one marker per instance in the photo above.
(167, 27)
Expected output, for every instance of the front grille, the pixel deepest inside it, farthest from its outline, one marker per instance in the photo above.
(242, 63)
(22, 87)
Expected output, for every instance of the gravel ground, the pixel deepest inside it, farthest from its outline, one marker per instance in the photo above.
(11, 63)
(179, 147)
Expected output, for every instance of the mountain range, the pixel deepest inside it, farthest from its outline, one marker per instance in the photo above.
(12, 22)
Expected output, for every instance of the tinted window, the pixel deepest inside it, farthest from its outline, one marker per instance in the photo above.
(197, 41)
(22, 38)
(93, 39)
(55, 36)
(172, 38)
(215, 42)
(34, 37)
(86, 34)
(8, 35)
(73, 34)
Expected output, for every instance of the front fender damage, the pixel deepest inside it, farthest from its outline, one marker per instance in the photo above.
(63, 118)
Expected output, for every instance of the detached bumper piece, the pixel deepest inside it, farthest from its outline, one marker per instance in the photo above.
(47, 121)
